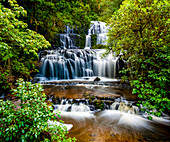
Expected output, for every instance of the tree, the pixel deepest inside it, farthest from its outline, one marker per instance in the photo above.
(18, 46)
(140, 30)
(107, 8)
(49, 17)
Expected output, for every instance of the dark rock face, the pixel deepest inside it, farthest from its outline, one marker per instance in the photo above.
(97, 79)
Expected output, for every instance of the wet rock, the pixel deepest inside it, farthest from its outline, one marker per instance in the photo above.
(97, 79)
(58, 101)
(67, 87)
(76, 101)
(108, 103)
(92, 107)
(83, 101)
(64, 102)
(70, 101)
(106, 106)
(69, 108)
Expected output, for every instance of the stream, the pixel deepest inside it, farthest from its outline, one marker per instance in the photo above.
(119, 120)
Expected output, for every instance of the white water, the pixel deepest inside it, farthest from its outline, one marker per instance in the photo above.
(53, 123)
(80, 108)
(71, 64)
(100, 29)
(121, 113)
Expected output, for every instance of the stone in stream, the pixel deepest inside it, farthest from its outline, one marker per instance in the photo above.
(97, 79)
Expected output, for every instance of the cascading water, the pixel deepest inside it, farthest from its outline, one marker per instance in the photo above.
(100, 29)
(82, 105)
(99, 113)
(68, 39)
(71, 64)
(118, 121)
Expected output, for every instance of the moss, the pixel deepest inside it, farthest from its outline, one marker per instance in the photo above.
(67, 87)
(82, 41)
(97, 79)
(99, 104)
(57, 40)
(93, 40)
(99, 46)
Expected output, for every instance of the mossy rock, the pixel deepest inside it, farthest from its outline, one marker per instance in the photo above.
(97, 79)
(99, 104)
(93, 40)
(81, 41)
(67, 87)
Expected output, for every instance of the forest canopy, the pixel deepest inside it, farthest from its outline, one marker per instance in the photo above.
(140, 30)
(49, 17)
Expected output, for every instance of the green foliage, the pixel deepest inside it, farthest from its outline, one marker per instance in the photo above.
(140, 30)
(93, 40)
(18, 46)
(99, 104)
(49, 17)
(107, 8)
(29, 120)
(99, 46)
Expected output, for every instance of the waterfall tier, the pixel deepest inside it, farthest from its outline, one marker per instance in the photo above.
(95, 35)
(86, 105)
(100, 29)
(73, 64)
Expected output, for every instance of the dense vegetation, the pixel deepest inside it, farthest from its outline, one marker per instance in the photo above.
(19, 46)
(49, 17)
(107, 8)
(140, 30)
(29, 120)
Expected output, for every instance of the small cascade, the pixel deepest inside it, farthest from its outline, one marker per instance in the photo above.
(100, 29)
(73, 64)
(85, 105)
(68, 39)
(125, 107)
(80, 108)
(68, 105)
(88, 42)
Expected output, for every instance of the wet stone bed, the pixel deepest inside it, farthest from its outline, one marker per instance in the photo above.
(105, 114)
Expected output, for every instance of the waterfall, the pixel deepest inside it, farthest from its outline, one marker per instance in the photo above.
(72, 64)
(88, 41)
(100, 29)
(71, 40)
(68, 39)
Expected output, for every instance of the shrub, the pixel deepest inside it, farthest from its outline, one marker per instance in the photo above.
(29, 120)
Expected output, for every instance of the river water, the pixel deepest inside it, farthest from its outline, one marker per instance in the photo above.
(110, 124)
